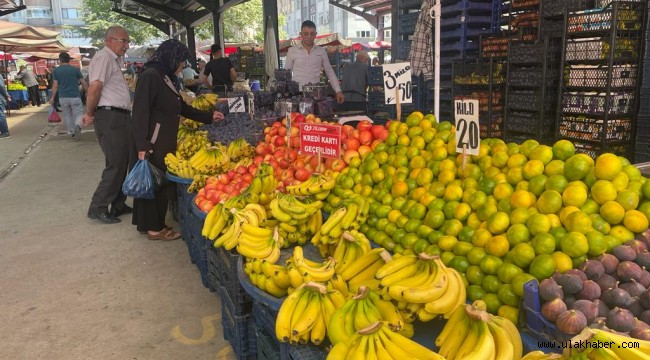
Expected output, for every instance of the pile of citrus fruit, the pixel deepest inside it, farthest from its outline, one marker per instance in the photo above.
(508, 215)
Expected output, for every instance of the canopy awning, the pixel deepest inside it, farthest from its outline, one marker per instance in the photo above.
(333, 39)
(22, 31)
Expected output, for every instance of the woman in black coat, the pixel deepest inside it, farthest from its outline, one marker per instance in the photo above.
(156, 108)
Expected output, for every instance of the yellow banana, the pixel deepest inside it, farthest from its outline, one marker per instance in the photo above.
(319, 330)
(333, 221)
(468, 345)
(396, 264)
(350, 216)
(428, 292)
(511, 330)
(456, 317)
(278, 213)
(454, 296)
(457, 335)
(220, 221)
(359, 265)
(504, 348)
(337, 329)
(308, 318)
(283, 319)
(387, 310)
(484, 348)
(209, 220)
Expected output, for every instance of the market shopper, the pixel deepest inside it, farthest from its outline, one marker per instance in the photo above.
(220, 69)
(156, 109)
(306, 61)
(108, 106)
(4, 102)
(26, 75)
(66, 80)
(355, 83)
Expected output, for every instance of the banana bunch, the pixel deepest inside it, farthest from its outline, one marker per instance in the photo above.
(349, 216)
(263, 186)
(359, 312)
(302, 270)
(473, 333)
(540, 355)
(362, 270)
(215, 221)
(251, 214)
(210, 160)
(305, 313)
(205, 102)
(423, 282)
(179, 167)
(268, 277)
(301, 233)
(299, 221)
(258, 242)
(198, 182)
(190, 142)
(377, 341)
(317, 185)
(352, 246)
(616, 350)
(188, 125)
(240, 149)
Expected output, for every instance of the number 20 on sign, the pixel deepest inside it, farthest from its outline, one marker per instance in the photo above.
(468, 137)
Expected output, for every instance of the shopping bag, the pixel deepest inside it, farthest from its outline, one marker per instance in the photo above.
(139, 183)
(53, 117)
(159, 178)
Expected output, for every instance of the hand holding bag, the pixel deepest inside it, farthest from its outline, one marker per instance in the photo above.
(53, 117)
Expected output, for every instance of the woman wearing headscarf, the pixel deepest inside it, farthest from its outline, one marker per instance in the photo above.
(156, 108)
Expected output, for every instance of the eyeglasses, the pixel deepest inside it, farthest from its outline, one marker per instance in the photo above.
(122, 41)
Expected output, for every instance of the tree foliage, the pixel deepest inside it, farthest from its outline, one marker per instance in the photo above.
(98, 17)
(241, 24)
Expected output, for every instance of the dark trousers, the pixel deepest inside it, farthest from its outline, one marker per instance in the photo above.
(150, 214)
(34, 96)
(113, 130)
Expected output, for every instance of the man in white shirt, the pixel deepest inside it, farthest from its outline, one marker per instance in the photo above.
(307, 60)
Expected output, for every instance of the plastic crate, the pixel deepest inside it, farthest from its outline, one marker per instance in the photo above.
(591, 129)
(524, 4)
(238, 302)
(597, 77)
(238, 330)
(407, 22)
(530, 77)
(628, 18)
(495, 46)
(536, 324)
(530, 123)
(593, 150)
(459, 46)
(307, 352)
(410, 3)
(462, 33)
(579, 50)
(644, 104)
(531, 100)
(552, 8)
(552, 28)
(523, 53)
(481, 21)
(268, 348)
(375, 76)
(620, 103)
(468, 6)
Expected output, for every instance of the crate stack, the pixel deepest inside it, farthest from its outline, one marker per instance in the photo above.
(642, 153)
(378, 111)
(531, 90)
(485, 81)
(601, 77)
(339, 60)
(408, 12)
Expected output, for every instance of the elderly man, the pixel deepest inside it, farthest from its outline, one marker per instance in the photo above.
(355, 83)
(307, 60)
(29, 79)
(108, 106)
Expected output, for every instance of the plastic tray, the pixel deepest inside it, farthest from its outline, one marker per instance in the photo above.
(622, 76)
(594, 150)
(307, 352)
(535, 321)
(238, 330)
(629, 18)
(589, 129)
(599, 50)
(462, 33)
(407, 22)
(240, 304)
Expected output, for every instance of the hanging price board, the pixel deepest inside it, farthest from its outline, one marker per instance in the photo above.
(468, 136)
(397, 83)
(236, 104)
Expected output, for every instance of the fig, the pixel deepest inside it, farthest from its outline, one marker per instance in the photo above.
(599, 323)
(556, 275)
(593, 269)
(644, 299)
(606, 282)
(638, 245)
(639, 324)
(590, 291)
(624, 253)
(635, 308)
(645, 279)
(571, 284)
(644, 237)
(579, 273)
(620, 319)
(616, 297)
(641, 334)
(549, 290)
(645, 317)
(571, 322)
(587, 308)
(633, 288)
(603, 310)
(552, 309)
(643, 259)
(569, 300)
(628, 271)
(609, 262)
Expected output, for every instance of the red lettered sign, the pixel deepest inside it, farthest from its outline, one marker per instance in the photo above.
(319, 138)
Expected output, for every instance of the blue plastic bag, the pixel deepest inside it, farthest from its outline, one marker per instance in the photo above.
(139, 183)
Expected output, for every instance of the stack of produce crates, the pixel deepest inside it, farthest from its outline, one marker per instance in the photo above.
(601, 77)
(531, 90)
(408, 14)
(199, 245)
(483, 81)
(642, 153)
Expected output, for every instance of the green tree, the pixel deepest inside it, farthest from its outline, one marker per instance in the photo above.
(98, 17)
(242, 23)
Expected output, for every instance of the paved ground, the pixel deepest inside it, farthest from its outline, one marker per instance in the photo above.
(72, 288)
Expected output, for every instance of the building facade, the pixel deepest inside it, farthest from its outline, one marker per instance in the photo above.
(329, 19)
(53, 15)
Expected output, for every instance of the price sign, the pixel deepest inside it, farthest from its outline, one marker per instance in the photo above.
(397, 76)
(320, 139)
(236, 104)
(468, 135)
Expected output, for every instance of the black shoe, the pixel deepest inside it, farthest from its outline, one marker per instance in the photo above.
(126, 209)
(104, 216)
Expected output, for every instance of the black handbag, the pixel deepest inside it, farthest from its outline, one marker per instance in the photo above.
(158, 176)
